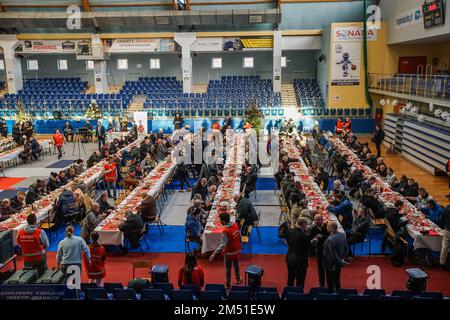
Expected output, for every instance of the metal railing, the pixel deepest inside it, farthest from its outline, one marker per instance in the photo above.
(421, 85)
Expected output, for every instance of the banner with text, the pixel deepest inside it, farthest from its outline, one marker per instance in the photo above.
(138, 45)
(50, 46)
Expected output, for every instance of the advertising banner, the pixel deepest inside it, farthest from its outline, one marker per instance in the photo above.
(207, 44)
(49, 46)
(409, 18)
(138, 45)
(254, 43)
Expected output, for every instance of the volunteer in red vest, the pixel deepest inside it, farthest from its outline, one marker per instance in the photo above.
(230, 247)
(215, 126)
(348, 125)
(448, 174)
(110, 176)
(96, 270)
(339, 126)
(33, 242)
(58, 139)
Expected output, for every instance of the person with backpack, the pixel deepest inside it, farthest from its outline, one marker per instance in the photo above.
(96, 270)
(191, 273)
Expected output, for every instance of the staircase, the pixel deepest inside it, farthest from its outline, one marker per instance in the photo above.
(288, 95)
(137, 104)
(200, 88)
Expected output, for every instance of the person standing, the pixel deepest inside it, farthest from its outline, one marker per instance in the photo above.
(445, 238)
(177, 122)
(339, 126)
(348, 125)
(334, 252)
(378, 137)
(96, 270)
(58, 139)
(318, 234)
(100, 132)
(297, 255)
(70, 251)
(3, 128)
(230, 247)
(33, 242)
(111, 176)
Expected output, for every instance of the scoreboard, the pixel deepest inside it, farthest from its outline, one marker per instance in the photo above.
(433, 13)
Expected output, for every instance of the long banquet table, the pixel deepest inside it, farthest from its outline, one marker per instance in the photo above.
(425, 233)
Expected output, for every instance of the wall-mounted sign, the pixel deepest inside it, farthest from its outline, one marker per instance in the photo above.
(207, 44)
(409, 18)
(433, 13)
(254, 43)
(49, 46)
(353, 33)
(138, 45)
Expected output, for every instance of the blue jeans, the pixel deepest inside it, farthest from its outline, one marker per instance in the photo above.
(112, 185)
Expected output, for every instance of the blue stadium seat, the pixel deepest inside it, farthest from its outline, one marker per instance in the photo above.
(152, 294)
(181, 295)
(358, 297)
(268, 296)
(124, 294)
(287, 290)
(213, 295)
(299, 296)
(217, 287)
(110, 286)
(96, 294)
(329, 297)
(239, 295)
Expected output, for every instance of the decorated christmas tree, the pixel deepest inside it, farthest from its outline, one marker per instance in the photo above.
(254, 117)
(93, 112)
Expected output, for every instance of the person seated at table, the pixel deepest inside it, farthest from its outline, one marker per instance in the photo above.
(36, 148)
(354, 181)
(71, 174)
(66, 207)
(195, 224)
(191, 273)
(26, 154)
(148, 164)
(17, 201)
(370, 161)
(36, 191)
(394, 217)
(300, 209)
(130, 182)
(359, 231)
(399, 184)
(62, 177)
(287, 184)
(422, 198)
(322, 179)
(342, 165)
(200, 187)
(248, 181)
(433, 211)
(370, 202)
(53, 182)
(68, 131)
(281, 174)
(367, 184)
(343, 210)
(95, 158)
(363, 154)
(132, 229)
(411, 191)
(91, 221)
(207, 204)
(338, 186)
(295, 193)
(245, 211)
(6, 211)
(390, 177)
(78, 166)
(380, 161)
(148, 209)
(82, 198)
(105, 207)
(382, 171)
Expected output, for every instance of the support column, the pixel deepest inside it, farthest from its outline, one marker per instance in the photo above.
(185, 40)
(13, 65)
(100, 77)
(277, 52)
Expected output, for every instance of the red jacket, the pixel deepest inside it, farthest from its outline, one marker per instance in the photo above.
(339, 126)
(233, 248)
(215, 126)
(111, 176)
(348, 125)
(30, 243)
(197, 277)
(96, 270)
(59, 139)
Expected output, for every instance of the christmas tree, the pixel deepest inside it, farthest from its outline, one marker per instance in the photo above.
(254, 117)
(93, 112)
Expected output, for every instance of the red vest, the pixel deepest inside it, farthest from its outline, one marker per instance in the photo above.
(233, 248)
(111, 176)
(348, 126)
(59, 139)
(96, 270)
(339, 126)
(215, 126)
(30, 243)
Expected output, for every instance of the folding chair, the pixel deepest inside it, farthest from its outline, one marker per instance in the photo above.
(142, 264)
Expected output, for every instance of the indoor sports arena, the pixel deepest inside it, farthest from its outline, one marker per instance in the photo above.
(260, 151)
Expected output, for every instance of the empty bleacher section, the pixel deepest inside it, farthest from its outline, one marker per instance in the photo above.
(308, 93)
(433, 86)
(64, 94)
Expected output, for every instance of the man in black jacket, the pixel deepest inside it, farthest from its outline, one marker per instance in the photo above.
(200, 187)
(245, 211)
(95, 157)
(446, 237)
(318, 235)
(394, 217)
(334, 251)
(249, 180)
(369, 201)
(298, 252)
(100, 132)
(360, 228)
(132, 228)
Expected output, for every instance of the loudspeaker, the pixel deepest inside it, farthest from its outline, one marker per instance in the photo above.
(417, 281)
(160, 273)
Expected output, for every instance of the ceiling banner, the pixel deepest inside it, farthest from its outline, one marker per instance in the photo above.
(49, 46)
(138, 45)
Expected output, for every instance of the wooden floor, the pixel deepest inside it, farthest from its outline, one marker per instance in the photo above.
(436, 186)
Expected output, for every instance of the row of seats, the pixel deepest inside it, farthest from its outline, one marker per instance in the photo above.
(308, 93)
(217, 292)
(336, 112)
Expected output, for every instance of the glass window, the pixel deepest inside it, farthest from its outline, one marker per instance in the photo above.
(32, 64)
(2, 64)
(122, 64)
(248, 62)
(155, 64)
(216, 63)
(283, 62)
(62, 64)
(89, 65)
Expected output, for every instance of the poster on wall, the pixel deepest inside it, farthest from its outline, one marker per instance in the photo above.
(138, 45)
(49, 46)
(207, 45)
(409, 18)
(140, 119)
(247, 43)
(346, 64)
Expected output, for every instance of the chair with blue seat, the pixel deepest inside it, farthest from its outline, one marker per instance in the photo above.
(240, 288)
(152, 294)
(340, 112)
(345, 292)
(110, 286)
(326, 112)
(239, 295)
(85, 286)
(96, 294)
(124, 294)
(434, 295)
(290, 289)
(354, 112)
(315, 291)
(291, 296)
(391, 298)
(211, 295)
(357, 297)
(329, 297)
(268, 296)
(402, 293)
(217, 287)
(419, 298)
(193, 288)
(165, 287)
(374, 293)
(333, 112)
(181, 295)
